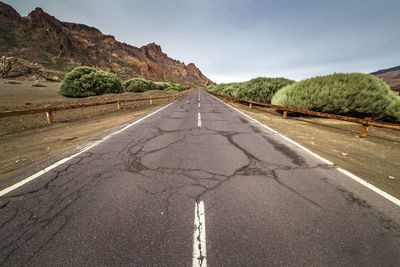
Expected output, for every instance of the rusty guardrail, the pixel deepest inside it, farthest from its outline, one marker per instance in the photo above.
(48, 110)
(366, 122)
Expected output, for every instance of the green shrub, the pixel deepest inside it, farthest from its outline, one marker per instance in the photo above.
(163, 85)
(86, 81)
(209, 88)
(172, 88)
(258, 89)
(392, 111)
(225, 88)
(182, 87)
(261, 89)
(177, 87)
(139, 85)
(354, 94)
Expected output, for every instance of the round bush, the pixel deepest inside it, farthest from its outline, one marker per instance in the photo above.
(261, 89)
(171, 88)
(225, 88)
(354, 94)
(86, 81)
(163, 85)
(392, 111)
(209, 88)
(181, 87)
(139, 85)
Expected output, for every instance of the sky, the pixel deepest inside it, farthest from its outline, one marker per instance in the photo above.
(236, 40)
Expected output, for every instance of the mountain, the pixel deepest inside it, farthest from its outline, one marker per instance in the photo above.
(61, 46)
(391, 76)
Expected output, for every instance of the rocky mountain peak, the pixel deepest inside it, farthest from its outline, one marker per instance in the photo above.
(152, 48)
(39, 17)
(153, 51)
(7, 12)
(61, 46)
(191, 66)
(37, 11)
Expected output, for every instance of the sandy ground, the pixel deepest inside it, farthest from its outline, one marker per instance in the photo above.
(375, 159)
(28, 138)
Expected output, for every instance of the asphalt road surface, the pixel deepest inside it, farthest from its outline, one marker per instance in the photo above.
(196, 184)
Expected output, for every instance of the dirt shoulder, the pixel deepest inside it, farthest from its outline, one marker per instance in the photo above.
(27, 139)
(376, 159)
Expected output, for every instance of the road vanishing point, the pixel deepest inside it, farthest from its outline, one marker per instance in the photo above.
(194, 183)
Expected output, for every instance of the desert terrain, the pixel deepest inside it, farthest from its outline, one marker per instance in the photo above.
(27, 139)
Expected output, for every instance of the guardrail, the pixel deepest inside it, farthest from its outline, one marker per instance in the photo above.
(366, 122)
(48, 110)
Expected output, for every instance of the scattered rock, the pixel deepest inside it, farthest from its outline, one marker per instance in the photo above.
(12, 67)
(13, 82)
(38, 85)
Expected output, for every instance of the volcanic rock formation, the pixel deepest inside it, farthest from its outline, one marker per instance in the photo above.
(61, 46)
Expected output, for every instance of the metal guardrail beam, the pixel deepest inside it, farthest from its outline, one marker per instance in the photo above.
(48, 108)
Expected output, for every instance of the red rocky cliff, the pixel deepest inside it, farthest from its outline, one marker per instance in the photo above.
(61, 46)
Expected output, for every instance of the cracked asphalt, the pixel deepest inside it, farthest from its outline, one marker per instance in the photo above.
(130, 201)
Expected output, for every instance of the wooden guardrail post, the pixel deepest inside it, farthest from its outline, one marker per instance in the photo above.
(365, 128)
(151, 100)
(167, 98)
(118, 104)
(231, 100)
(285, 114)
(49, 115)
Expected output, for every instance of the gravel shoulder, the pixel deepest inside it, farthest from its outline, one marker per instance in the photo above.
(375, 158)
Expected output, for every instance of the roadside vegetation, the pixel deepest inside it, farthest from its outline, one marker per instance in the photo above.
(87, 81)
(139, 85)
(259, 89)
(142, 85)
(352, 94)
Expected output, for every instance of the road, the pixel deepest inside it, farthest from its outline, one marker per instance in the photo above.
(196, 184)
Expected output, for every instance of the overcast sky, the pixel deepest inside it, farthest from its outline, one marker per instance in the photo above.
(236, 40)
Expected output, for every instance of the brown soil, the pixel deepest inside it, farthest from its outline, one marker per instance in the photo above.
(374, 159)
(29, 138)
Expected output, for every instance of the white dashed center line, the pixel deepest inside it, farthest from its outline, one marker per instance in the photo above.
(199, 237)
(198, 119)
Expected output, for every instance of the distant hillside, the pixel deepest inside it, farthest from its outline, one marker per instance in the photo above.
(61, 46)
(386, 70)
(391, 76)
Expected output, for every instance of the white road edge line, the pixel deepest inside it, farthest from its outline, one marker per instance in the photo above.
(198, 119)
(58, 163)
(370, 186)
(347, 173)
(199, 237)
